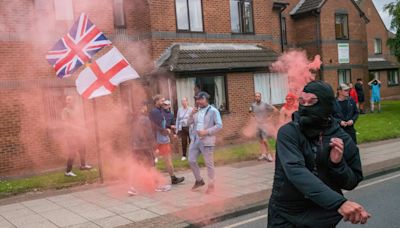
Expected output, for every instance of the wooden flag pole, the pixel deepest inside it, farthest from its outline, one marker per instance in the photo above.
(96, 130)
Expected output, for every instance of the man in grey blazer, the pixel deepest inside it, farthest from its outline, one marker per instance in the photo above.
(206, 121)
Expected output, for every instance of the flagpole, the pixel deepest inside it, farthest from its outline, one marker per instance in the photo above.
(96, 131)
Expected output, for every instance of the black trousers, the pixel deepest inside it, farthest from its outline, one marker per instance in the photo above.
(184, 135)
(75, 145)
(352, 132)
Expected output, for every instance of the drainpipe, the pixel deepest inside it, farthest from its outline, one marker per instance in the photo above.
(281, 7)
(317, 14)
(280, 27)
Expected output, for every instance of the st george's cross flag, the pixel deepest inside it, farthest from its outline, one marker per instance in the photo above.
(77, 47)
(104, 75)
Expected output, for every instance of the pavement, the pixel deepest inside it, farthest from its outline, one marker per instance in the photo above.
(240, 188)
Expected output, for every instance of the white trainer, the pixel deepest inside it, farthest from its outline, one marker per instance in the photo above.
(183, 158)
(163, 188)
(70, 174)
(132, 191)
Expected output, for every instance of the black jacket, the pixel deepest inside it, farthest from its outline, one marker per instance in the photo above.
(351, 114)
(306, 179)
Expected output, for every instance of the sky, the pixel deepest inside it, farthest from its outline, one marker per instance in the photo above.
(384, 15)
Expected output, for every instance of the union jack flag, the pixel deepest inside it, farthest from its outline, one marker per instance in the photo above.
(77, 47)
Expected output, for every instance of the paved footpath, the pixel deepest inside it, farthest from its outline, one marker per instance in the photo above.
(240, 186)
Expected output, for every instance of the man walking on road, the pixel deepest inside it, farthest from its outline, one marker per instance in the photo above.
(206, 123)
(315, 160)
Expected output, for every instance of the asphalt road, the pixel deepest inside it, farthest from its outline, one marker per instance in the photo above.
(380, 196)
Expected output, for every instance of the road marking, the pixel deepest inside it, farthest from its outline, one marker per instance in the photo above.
(265, 216)
(246, 221)
(378, 181)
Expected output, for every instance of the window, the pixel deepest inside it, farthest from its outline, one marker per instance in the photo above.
(213, 85)
(378, 46)
(341, 27)
(283, 29)
(272, 86)
(64, 10)
(393, 77)
(189, 15)
(119, 14)
(344, 76)
(374, 75)
(242, 16)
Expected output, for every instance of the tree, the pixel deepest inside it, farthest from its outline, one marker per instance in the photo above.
(394, 42)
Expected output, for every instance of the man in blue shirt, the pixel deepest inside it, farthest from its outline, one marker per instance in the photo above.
(159, 123)
(375, 86)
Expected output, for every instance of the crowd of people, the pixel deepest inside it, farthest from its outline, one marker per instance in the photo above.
(316, 148)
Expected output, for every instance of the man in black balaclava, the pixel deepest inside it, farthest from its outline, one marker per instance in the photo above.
(315, 160)
(316, 117)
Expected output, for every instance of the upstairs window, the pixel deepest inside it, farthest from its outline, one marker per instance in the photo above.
(189, 15)
(242, 16)
(341, 27)
(119, 14)
(378, 46)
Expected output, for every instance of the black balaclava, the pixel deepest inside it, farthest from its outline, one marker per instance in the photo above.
(316, 118)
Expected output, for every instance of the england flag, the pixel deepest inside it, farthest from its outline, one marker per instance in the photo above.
(104, 75)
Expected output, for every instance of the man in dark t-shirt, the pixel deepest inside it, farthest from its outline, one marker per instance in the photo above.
(360, 94)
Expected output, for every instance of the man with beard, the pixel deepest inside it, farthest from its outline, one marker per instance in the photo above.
(315, 159)
(263, 114)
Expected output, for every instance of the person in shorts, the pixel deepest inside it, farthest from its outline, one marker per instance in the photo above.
(262, 113)
(158, 119)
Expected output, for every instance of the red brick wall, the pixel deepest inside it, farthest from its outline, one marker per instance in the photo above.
(240, 88)
(28, 140)
(376, 29)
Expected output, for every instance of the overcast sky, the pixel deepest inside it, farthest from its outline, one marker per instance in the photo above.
(384, 15)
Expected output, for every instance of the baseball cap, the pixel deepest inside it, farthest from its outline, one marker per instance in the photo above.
(202, 94)
(167, 102)
(343, 87)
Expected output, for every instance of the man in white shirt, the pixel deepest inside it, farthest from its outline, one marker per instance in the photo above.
(182, 126)
(207, 123)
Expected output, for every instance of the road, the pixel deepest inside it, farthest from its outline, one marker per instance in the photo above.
(380, 196)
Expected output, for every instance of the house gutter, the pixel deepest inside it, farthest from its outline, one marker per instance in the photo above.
(317, 14)
(281, 7)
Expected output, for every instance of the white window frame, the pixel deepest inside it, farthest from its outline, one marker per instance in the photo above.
(273, 87)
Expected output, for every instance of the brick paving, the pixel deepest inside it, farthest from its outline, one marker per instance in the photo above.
(239, 186)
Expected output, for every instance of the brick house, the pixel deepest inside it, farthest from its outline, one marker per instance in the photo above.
(381, 63)
(224, 47)
(337, 31)
(32, 98)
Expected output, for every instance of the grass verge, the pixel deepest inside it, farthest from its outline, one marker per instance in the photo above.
(53, 180)
(370, 127)
(379, 126)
